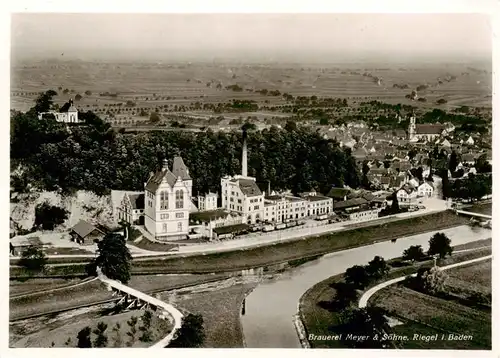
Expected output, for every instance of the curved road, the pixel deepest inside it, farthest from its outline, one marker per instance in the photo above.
(363, 301)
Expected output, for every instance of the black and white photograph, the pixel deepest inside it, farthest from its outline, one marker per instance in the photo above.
(251, 180)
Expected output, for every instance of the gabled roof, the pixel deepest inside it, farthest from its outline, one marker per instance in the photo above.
(249, 187)
(136, 200)
(83, 228)
(155, 181)
(338, 193)
(179, 169)
(349, 203)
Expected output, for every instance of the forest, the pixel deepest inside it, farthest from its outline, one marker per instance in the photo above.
(92, 156)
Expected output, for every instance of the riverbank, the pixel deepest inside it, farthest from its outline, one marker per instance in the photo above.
(277, 253)
(314, 311)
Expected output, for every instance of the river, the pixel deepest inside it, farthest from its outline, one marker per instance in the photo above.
(269, 309)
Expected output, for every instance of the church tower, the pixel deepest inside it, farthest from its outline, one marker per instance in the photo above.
(412, 127)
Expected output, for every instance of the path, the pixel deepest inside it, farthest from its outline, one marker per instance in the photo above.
(168, 308)
(363, 301)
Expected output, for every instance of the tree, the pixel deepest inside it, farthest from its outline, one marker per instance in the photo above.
(101, 339)
(154, 117)
(395, 204)
(33, 259)
(84, 338)
(413, 253)
(357, 276)
(191, 334)
(434, 280)
(132, 323)
(439, 244)
(482, 165)
(48, 216)
(88, 93)
(441, 101)
(453, 163)
(345, 294)
(78, 97)
(291, 126)
(377, 267)
(412, 153)
(117, 338)
(44, 102)
(114, 257)
(368, 322)
(146, 327)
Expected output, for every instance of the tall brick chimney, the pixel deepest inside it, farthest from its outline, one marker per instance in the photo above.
(244, 160)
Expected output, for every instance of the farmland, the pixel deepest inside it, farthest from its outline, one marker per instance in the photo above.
(450, 314)
(319, 319)
(126, 93)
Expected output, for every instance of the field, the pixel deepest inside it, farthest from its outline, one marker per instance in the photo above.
(38, 284)
(437, 315)
(39, 303)
(62, 333)
(165, 87)
(220, 306)
(318, 320)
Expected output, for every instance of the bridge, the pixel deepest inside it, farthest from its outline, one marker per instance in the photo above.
(137, 299)
(470, 213)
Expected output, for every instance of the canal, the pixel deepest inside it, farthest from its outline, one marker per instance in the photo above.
(270, 308)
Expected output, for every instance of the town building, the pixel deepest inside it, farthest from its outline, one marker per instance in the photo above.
(241, 194)
(85, 233)
(168, 202)
(66, 114)
(425, 189)
(207, 202)
(206, 223)
(426, 132)
(407, 195)
(131, 209)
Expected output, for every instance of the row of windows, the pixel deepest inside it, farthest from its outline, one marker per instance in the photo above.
(179, 200)
(177, 215)
(179, 227)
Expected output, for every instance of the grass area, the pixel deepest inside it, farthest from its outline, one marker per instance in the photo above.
(439, 314)
(17, 287)
(221, 314)
(473, 245)
(57, 333)
(146, 244)
(318, 320)
(155, 283)
(39, 303)
(472, 278)
(480, 208)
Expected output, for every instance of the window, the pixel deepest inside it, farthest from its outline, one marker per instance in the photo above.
(164, 216)
(179, 199)
(163, 200)
(165, 227)
(179, 227)
(179, 215)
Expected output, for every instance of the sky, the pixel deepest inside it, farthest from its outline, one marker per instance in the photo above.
(278, 37)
